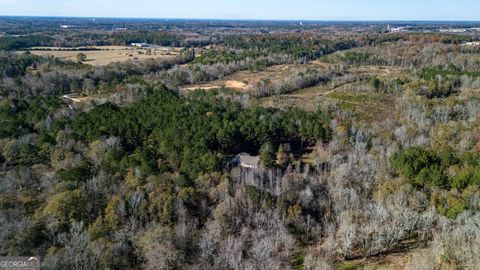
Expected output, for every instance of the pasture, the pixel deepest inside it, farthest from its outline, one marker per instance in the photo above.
(104, 55)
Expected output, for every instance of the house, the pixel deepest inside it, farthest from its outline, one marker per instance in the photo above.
(245, 160)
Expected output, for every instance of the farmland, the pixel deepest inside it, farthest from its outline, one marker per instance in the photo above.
(104, 55)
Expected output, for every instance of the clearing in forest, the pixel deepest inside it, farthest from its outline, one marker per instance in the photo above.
(104, 55)
(247, 79)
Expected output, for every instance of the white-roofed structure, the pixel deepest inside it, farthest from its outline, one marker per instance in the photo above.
(246, 161)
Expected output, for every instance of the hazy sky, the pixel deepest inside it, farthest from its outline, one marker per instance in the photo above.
(251, 9)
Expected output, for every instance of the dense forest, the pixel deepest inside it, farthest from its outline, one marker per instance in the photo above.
(367, 148)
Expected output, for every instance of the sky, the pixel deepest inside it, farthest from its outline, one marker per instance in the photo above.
(251, 9)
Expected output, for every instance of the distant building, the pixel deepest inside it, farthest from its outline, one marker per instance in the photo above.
(474, 43)
(140, 45)
(453, 30)
(395, 29)
(246, 161)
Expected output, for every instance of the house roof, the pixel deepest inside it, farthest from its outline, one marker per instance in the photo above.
(248, 159)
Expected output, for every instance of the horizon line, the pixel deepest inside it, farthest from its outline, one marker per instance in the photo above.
(246, 20)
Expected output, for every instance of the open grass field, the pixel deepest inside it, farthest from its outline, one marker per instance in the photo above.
(350, 91)
(104, 55)
(366, 104)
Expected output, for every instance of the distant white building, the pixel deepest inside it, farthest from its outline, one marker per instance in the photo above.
(474, 43)
(395, 29)
(140, 45)
(453, 30)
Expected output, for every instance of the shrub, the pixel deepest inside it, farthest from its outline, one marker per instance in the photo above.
(67, 205)
(80, 173)
(464, 178)
(411, 161)
(253, 194)
(432, 175)
(161, 208)
(267, 155)
(112, 217)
